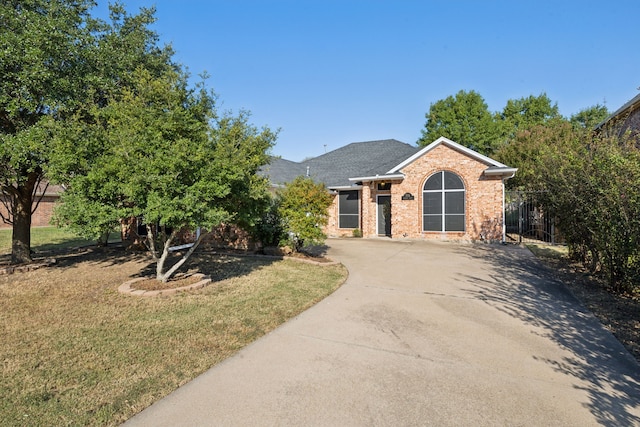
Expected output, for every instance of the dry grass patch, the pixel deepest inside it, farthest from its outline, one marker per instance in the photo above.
(76, 352)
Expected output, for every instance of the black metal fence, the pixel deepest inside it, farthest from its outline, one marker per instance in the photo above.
(527, 221)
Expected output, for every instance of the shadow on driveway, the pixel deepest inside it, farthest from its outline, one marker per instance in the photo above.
(541, 300)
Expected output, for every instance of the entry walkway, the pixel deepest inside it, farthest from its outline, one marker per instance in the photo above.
(422, 334)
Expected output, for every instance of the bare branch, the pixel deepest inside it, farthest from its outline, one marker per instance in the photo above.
(184, 258)
(34, 194)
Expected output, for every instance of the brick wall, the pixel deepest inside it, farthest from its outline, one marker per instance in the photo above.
(41, 217)
(483, 200)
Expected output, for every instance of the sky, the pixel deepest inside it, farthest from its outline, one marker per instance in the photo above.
(330, 72)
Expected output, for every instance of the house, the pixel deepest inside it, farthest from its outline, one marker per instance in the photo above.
(444, 191)
(46, 194)
(625, 118)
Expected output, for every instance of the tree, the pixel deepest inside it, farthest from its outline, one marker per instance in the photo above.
(303, 206)
(527, 149)
(168, 158)
(588, 118)
(41, 63)
(591, 186)
(523, 113)
(57, 62)
(465, 119)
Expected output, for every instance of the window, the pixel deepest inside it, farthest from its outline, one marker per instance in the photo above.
(443, 203)
(349, 209)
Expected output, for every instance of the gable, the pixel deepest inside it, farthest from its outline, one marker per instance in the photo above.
(489, 162)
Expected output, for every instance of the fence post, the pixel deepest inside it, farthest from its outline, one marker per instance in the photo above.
(520, 217)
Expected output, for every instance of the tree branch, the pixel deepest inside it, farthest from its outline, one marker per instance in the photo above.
(184, 258)
(35, 193)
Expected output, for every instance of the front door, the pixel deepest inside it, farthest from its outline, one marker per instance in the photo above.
(384, 216)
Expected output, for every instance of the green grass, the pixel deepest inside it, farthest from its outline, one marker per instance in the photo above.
(76, 352)
(44, 239)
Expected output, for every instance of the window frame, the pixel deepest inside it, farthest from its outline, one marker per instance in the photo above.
(349, 215)
(445, 203)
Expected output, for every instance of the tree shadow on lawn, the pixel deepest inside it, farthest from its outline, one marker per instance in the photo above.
(218, 265)
(525, 289)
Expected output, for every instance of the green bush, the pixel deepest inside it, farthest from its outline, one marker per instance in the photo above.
(592, 188)
(303, 206)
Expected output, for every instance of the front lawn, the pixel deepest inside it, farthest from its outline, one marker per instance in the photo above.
(45, 239)
(76, 352)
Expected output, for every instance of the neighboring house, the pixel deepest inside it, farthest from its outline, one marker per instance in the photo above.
(625, 118)
(48, 196)
(388, 188)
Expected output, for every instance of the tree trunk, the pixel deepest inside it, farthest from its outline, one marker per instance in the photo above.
(21, 235)
(163, 277)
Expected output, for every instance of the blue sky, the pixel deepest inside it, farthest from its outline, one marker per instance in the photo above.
(328, 72)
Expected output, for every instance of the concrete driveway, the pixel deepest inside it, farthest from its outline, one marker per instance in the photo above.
(423, 334)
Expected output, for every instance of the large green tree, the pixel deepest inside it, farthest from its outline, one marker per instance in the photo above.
(526, 112)
(42, 64)
(463, 118)
(168, 158)
(588, 118)
(57, 62)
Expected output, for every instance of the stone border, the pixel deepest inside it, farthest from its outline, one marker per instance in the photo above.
(126, 288)
(10, 269)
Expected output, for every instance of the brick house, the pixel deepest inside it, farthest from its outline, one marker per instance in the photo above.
(444, 191)
(625, 118)
(48, 196)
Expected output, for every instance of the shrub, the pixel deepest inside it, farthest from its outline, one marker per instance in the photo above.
(303, 206)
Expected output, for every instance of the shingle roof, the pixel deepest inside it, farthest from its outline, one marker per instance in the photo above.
(359, 159)
(334, 168)
(281, 171)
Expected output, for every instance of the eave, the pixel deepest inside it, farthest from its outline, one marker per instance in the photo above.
(386, 177)
(504, 172)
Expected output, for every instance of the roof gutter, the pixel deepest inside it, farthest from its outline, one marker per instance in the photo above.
(505, 173)
(378, 177)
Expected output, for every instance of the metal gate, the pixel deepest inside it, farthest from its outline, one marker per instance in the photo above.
(526, 219)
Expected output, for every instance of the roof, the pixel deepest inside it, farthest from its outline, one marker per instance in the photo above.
(368, 161)
(635, 101)
(336, 167)
(281, 171)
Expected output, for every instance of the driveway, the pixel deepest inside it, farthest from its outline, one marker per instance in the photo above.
(423, 333)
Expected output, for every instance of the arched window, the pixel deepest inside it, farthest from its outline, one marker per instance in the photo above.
(443, 203)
